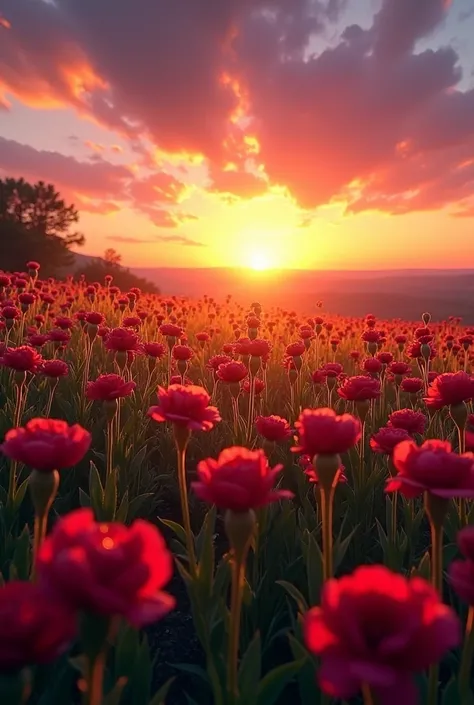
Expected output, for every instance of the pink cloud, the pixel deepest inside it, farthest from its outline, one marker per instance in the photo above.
(368, 119)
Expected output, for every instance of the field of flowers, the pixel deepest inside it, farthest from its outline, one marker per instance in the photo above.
(212, 504)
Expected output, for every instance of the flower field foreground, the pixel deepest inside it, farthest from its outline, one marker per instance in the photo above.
(291, 494)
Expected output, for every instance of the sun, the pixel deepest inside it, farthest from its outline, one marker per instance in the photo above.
(259, 261)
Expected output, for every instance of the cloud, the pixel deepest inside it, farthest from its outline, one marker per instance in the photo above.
(96, 180)
(350, 121)
(178, 239)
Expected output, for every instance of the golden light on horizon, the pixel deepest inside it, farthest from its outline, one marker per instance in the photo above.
(260, 260)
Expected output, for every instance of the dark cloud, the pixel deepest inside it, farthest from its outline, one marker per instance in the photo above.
(178, 239)
(195, 76)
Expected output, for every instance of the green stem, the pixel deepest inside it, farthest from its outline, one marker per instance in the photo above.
(393, 527)
(183, 494)
(95, 680)
(47, 412)
(238, 572)
(16, 422)
(327, 503)
(466, 660)
(437, 582)
(110, 448)
(40, 528)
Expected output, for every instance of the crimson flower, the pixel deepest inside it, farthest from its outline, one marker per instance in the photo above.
(170, 330)
(332, 369)
(450, 389)
(411, 421)
(461, 572)
(54, 368)
(372, 365)
(232, 372)
(214, 362)
(155, 350)
(94, 318)
(378, 628)
(109, 387)
(107, 569)
(295, 349)
(186, 406)
(258, 386)
(432, 468)
(323, 432)
(131, 321)
(412, 385)
(273, 428)
(399, 368)
(21, 359)
(386, 438)
(58, 335)
(122, 340)
(182, 352)
(47, 444)
(259, 347)
(240, 479)
(360, 388)
(33, 628)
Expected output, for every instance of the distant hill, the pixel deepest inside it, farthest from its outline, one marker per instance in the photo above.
(387, 294)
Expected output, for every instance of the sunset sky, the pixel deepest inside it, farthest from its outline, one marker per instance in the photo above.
(287, 133)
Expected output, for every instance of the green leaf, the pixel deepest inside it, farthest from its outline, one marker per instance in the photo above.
(314, 569)
(125, 652)
(110, 497)
(84, 499)
(114, 696)
(193, 670)
(305, 675)
(161, 695)
(295, 594)
(20, 494)
(250, 672)
(136, 503)
(22, 555)
(96, 491)
(272, 686)
(122, 511)
(176, 528)
(140, 679)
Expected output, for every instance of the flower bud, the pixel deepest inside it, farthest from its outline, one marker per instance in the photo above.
(254, 365)
(43, 490)
(327, 468)
(239, 528)
(426, 318)
(436, 509)
(459, 414)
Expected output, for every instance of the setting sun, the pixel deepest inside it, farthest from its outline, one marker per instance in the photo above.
(259, 261)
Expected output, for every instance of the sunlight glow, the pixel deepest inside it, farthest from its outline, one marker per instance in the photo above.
(260, 261)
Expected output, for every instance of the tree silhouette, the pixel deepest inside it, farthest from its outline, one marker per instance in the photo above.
(36, 223)
(97, 269)
(111, 256)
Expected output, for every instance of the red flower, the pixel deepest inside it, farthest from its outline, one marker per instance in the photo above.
(54, 368)
(318, 376)
(411, 421)
(186, 406)
(38, 340)
(323, 432)
(258, 386)
(57, 335)
(360, 388)
(414, 350)
(372, 365)
(182, 352)
(232, 372)
(214, 362)
(22, 359)
(240, 479)
(170, 330)
(259, 347)
(371, 336)
(47, 444)
(122, 340)
(64, 323)
(10, 313)
(32, 264)
(332, 369)
(177, 379)
(386, 438)
(33, 628)
(399, 368)
(202, 337)
(107, 569)
(434, 468)
(412, 385)
(94, 318)
(378, 628)
(242, 347)
(461, 573)
(131, 321)
(155, 350)
(449, 389)
(295, 349)
(273, 428)
(109, 387)
(385, 357)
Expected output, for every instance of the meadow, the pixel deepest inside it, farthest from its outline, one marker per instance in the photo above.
(210, 503)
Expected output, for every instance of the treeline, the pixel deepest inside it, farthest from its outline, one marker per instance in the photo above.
(36, 223)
